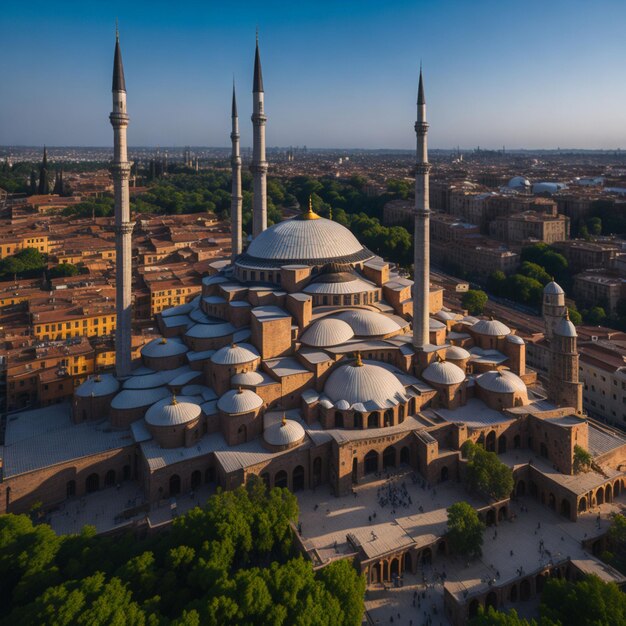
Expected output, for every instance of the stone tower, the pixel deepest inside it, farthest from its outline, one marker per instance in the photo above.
(44, 183)
(120, 171)
(553, 307)
(421, 237)
(236, 196)
(564, 386)
(259, 164)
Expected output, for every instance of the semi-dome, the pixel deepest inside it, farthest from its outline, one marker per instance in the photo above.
(369, 323)
(456, 353)
(501, 381)
(443, 373)
(553, 289)
(248, 378)
(444, 316)
(327, 332)
(172, 412)
(161, 348)
(434, 324)
(515, 339)
(493, 328)
(96, 386)
(565, 328)
(236, 401)
(301, 240)
(364, 383)
(284, 433)
(235, 354)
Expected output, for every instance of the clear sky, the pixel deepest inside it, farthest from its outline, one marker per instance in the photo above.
(534, 74)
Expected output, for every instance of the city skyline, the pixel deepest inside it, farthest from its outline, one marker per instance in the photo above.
(335, 77)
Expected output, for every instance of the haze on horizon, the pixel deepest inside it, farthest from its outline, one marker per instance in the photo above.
(531, 75)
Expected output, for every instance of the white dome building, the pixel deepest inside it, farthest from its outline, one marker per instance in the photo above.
(501, 389)
(366, 323)
(307, 239)
(283, 435)
(174, 422)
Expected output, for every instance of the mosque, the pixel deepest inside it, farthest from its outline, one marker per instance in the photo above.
(306, 361)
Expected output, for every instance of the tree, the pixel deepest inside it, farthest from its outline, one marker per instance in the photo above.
(589, 601)
(617, 543)
(532, 270)
(485, 472)
(465, 530)
(596, 316)
(496, 283)
(492, 617)
(582, 459)
(474, 300)
(63, 269)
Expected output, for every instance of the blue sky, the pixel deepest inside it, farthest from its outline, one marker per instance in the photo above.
(337, 74)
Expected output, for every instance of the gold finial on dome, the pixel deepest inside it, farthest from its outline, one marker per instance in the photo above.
(310, 214)
(239, 390)
(233, 345)
(330, 213)
(358, 362)
(283, 422)
(174, 400)
(566, 314)
(163, 340)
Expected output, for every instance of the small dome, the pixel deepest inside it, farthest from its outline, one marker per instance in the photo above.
(444, 316)
(501, 381)
(519, 182)
(456, 353)
(565, 328)
(161, 348)
(369, 323)
(248, 378)
(515, 339)
(553, 289)
(342, 405)
(235, 354)
(172, 412)
(443, 373)
(238, 401)
(493, 328)
(284, 433)
(470, 319)
(133, 399)
(365, 384)
(327, 332)
(97, 386)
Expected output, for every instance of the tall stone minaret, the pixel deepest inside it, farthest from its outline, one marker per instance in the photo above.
(421, 238)
(120, 170)
(259, 164)
(236, 196)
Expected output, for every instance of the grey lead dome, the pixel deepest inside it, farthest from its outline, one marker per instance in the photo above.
(318, 239)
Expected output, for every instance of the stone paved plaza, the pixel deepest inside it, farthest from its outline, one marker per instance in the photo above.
(509, 548)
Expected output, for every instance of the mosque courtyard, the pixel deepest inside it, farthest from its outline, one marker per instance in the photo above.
(511, 549)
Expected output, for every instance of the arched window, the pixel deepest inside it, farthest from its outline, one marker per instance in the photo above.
(338, 419)
(280, 480)
(358, 420)
(174, 484)
(371, 462)
(92, 483)
(372, 420)
(389, 417)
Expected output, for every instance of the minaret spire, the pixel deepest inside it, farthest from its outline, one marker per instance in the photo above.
(259, 164)
(421, 260)
(120, 171)
(237, 196)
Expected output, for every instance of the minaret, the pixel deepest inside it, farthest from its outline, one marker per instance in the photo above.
(421, 237)
(259, 164)
(44, 183)
(236, 197)
(120, 170)
(564, 386)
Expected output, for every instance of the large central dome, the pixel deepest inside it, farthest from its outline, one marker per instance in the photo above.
(305, 241)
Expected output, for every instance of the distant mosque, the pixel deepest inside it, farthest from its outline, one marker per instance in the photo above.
(308, 360)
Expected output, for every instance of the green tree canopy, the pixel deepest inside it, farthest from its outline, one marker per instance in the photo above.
(63, 269)
(474, 300)
(465, 530)
(589, 601)
(27, 262)
(485, 473)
